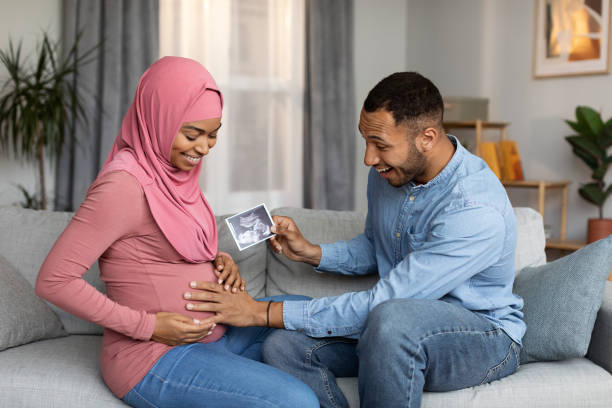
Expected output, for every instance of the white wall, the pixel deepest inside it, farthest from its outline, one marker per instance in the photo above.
(401, 35)
(24, 20)
(537, 107)
(380, 50)
(444, 49)
(484, 48)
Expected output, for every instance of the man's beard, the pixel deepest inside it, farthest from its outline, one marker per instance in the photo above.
(413, 167)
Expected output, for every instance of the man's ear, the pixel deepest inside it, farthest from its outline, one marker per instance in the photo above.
(427, 139)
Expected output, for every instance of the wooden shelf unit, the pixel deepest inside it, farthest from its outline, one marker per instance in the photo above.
(564, 245)
(478, 125)
(542, 186)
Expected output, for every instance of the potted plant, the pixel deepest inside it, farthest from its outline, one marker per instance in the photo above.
(38, 104)
(591, 146)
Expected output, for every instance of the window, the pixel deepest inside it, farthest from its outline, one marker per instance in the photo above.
(255, 51)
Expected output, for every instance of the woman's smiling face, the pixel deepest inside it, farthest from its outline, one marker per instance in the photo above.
(193, 141)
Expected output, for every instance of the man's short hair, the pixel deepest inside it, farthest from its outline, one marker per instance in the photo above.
(411, 98)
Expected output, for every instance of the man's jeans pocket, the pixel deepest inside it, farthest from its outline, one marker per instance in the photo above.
(507, 366)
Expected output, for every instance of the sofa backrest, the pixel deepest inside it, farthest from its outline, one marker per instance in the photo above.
(26, 236)
(318, 226)
(287, 277)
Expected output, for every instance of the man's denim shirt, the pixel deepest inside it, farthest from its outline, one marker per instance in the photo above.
(451, 239)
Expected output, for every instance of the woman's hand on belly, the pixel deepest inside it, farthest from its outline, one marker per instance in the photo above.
(174, 329)
(228, 273)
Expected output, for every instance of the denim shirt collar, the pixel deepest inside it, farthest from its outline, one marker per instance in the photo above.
(446, 173)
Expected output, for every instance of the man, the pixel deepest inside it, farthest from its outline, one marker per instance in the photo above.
(441, 234)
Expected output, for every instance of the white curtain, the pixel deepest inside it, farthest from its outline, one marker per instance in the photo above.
(255, 51)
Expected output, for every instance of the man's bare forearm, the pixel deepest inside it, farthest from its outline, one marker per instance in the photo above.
(313, 255)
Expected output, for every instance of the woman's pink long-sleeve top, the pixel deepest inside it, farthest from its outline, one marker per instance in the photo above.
(143, 274)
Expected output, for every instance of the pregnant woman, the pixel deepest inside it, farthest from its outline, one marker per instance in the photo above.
(147, 222)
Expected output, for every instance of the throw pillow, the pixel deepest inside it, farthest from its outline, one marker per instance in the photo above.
(561, 302)
(24, 317)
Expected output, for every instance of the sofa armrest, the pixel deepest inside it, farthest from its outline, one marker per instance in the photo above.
(600, 349)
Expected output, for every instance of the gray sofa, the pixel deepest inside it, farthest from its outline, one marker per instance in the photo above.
(64, 371)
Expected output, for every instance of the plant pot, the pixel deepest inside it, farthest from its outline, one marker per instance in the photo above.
(598, 228)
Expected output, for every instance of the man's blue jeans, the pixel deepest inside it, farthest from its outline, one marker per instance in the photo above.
(226, 373)
(407, 346)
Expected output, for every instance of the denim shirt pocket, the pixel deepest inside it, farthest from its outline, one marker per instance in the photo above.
(416, 240)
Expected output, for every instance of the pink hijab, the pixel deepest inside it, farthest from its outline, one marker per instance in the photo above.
(171, 92)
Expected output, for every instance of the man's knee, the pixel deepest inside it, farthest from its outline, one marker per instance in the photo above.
(380, 319)
(379, 329)
(394, 322)
(282, 346)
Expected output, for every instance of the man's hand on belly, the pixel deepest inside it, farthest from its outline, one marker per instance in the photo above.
(236, 309)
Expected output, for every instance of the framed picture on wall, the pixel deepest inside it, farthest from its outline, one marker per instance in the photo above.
(571, 37)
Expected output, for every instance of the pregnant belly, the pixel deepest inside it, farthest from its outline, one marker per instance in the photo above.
(160, 287)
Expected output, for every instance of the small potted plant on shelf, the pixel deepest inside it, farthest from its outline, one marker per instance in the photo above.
(591, 144)
(38, 103)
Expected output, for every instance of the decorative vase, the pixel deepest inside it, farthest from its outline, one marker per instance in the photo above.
(598, 228)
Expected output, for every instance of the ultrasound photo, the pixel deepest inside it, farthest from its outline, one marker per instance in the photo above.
(251, 226)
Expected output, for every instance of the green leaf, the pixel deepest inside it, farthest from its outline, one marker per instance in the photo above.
(587, 146)
(587, 158)
(591, 119)
(577, 127)
(600, 172)
(31, 200)
(593, 193)
(605, 136)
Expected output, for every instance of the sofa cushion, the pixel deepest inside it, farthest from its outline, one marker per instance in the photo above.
(24, 317)
(26, 237)
(561, 302)
(61, 372)
(570, 383)
(319, 226)
(530, 239)
(252, 261)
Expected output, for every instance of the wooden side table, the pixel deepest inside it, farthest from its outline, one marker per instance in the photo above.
(542, 186)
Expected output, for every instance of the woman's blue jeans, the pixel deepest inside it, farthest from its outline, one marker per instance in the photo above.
(406, 346)
(226, 373)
